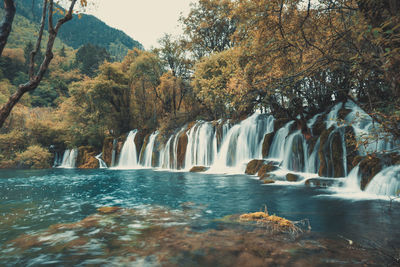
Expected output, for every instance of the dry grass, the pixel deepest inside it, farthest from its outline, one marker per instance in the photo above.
(275, 223)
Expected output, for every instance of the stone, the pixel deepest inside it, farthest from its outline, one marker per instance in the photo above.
(181, 150)
(266, 168)
(292, 177)
(267, 144)
(254, 166)
(107, 150)
(199, 169)
(279, 123)
(268, 181)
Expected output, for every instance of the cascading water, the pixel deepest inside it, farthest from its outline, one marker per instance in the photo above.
(202, 145)
(296, 154)
(243, 142)
(277, 150)
(102, 164)
(148, 152)
(128, 156)
(69, 158)
(386, 182)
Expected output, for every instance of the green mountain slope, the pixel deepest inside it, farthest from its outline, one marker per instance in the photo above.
(75, 33)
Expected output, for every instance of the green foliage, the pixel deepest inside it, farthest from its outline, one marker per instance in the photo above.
(34, 157)
(89, 57)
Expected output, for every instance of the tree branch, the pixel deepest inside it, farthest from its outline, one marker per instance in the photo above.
(5, 27)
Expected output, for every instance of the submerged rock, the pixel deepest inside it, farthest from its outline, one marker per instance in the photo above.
(199, 169)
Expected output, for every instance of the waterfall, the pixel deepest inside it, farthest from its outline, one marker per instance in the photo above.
(386, 182)
(364, 127)
(243, 142)
(353, 180)
(313, 163)
(165, 155)
(202, 145)
(295, 152)
(58, 159)
(277, 150)
(128, 156)
(102, 164)
(148, 152)
(69, 158)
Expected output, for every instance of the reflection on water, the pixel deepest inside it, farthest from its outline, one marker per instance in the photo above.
(33, 202)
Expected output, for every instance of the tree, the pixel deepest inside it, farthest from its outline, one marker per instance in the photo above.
(34, 77)
(209, 26)
(89, 57)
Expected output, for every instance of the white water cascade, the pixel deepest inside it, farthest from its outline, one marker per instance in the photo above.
(243, 142)
(386, 182)
(69, 158)
(102, 164)
(148, 152)
(202, 145)
(128, 156)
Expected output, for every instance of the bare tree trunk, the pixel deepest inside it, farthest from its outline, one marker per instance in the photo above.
(34, 80)
(5, 27)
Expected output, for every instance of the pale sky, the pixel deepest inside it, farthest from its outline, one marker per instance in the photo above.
(144, 20)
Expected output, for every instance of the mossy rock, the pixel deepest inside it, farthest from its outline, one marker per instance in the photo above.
(181, 150)
(266, 168)
(139, 139)
(254, 166)
(86, 158)
(292, 177)
(268, 138)
(107, 150)
(199, 169)
(279, 123)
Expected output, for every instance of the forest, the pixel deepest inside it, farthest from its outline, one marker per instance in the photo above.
(289, 58)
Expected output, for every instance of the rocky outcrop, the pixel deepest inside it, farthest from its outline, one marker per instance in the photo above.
(143, 148)
(254, 166)
(268, 139)
(181, 150)
(199, 169)
(86, 158)
(107, 150)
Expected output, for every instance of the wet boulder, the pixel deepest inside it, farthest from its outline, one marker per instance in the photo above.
(107, 150)
(266, 168)
(199, 169)
(279, 123)
(181, 150)
(268, 138)
(330, 153)
(292, 177)
(254, 166)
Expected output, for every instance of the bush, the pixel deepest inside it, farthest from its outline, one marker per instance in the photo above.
(35, 157)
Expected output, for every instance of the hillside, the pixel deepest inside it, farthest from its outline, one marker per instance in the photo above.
(91, 30)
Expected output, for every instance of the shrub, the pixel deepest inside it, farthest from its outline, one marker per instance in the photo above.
(34, 157)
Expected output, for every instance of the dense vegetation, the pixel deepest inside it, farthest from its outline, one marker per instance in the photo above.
(287, 57)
